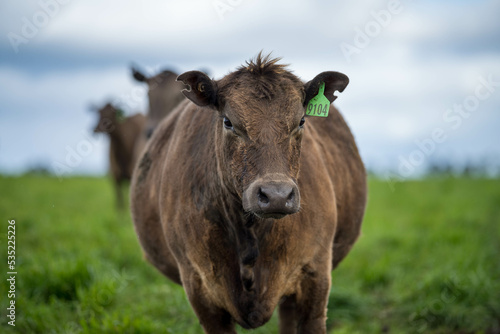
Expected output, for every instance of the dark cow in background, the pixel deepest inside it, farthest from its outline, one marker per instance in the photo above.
(248, 203)
(164, 94)
(123, 134)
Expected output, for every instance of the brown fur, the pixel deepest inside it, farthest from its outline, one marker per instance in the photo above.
(164, 94)
(189, 198)
(123, 135)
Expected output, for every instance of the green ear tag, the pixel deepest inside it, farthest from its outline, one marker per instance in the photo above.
(319, 105)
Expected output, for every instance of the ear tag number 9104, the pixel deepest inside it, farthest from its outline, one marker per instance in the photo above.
(318, 105)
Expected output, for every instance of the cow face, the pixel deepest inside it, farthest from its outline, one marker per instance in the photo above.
(109, 117)
(261, 122)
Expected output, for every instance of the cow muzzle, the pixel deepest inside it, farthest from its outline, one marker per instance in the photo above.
(272, 196)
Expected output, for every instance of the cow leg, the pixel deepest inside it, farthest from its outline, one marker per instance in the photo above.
(288, 315)
(312, 305)
(214, 320)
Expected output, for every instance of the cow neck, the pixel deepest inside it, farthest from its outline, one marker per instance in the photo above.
(241, 232)
(226, 211)
(248, 252)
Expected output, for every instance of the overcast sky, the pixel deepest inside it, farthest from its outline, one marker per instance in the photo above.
(424, 75)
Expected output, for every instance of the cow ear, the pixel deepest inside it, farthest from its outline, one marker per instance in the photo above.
(138, 75)
(333, 81)
(202, 90)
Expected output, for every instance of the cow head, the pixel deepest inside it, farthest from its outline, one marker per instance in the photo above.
(163, 95)
(109, 117)
(261, 122)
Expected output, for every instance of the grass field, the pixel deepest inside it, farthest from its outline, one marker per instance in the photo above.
(428, 262)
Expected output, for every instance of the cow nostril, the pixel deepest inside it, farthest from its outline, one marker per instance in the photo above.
(262, 197)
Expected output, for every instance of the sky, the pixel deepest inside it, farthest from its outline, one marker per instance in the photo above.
(424, 75)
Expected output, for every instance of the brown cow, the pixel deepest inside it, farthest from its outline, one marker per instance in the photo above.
(123, 134)
(164, 94)
(247, 203)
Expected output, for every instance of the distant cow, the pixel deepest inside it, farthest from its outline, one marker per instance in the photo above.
(248, 203)
(164, 94)
(123, 134)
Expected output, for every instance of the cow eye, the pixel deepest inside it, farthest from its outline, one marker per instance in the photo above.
(302, 122)
(227, 124)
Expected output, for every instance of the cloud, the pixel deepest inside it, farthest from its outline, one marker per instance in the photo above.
(426, 59)
(43, 115)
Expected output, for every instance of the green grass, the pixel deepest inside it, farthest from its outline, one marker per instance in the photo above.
(428, 261)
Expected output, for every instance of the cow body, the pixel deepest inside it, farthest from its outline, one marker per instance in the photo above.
(236, 265)
(123, 135)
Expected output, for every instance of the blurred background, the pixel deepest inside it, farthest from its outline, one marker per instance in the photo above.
(412, 66)
(423, 103)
